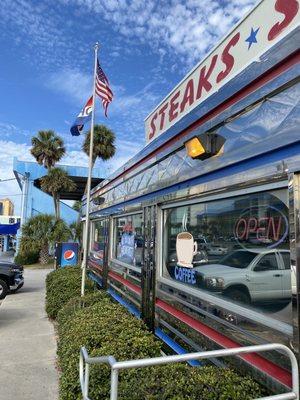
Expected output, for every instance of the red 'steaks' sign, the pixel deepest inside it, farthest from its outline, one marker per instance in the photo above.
(268, 22)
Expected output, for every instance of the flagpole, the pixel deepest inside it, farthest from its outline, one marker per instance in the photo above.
(89, 181)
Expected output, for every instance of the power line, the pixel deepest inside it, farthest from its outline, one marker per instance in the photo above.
(9, 195)
(6, 180)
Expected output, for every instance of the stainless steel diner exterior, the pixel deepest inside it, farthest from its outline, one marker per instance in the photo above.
(234, 216)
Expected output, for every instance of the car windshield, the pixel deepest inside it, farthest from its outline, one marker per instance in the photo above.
(238, 259)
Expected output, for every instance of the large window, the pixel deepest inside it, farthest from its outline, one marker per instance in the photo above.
(236, 248)
(128, 241)
(98, 232)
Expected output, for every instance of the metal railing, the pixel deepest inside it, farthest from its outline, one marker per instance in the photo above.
(116, 366)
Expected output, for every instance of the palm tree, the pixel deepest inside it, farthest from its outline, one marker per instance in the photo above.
(47, 148)
(41, 231)
(77, 205)
(76, 231)
(56, 181)
(61, 232)
(104, 146)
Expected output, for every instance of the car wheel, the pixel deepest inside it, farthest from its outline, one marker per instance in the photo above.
(238, 295)
(3, 289)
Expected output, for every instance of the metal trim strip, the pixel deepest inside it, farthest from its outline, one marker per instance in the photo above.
(213, 317)
(250, 88)
(240, 167)
(236, 309)
(238, 192)
(122, 264)
(277, 373)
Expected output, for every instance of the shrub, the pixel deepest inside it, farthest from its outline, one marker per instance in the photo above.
(78, 303)
(26, 258)
(62, 285)
(104, 329)
(192, 383)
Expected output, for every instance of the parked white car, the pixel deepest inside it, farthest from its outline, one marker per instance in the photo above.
(251, 275)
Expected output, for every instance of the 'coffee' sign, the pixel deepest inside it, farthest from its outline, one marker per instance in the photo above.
(269, 21)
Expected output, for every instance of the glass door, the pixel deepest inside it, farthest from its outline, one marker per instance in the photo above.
(149, 266)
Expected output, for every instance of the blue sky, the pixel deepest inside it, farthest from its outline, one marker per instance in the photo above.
(47, 60)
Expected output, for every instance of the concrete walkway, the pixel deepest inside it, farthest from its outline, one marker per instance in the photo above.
(27, 344)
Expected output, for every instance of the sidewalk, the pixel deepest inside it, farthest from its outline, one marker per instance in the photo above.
(27, 344)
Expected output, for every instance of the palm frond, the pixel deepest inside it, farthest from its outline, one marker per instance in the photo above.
(47, 148)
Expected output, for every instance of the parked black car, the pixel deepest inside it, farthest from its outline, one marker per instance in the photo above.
(11, 278)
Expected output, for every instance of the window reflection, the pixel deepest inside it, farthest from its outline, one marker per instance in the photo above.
(129, 241)
(98, 232)
(238, 259)
(236, 248)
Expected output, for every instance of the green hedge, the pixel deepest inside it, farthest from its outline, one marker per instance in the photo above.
(182, 382)
(61, 286)
(26, 258)
(77, 303)
(106, 328)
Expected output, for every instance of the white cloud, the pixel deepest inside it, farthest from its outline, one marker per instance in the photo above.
(187, 28)
(11, 189)
(73, 83)
(9, 131)
(74, 157)
(125, 150)
(126, 147)
(42, 28)
(9, 149)
(127, 111)
(133, 107)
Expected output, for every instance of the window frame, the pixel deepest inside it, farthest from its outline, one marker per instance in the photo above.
(112, 259)
(255, 316)
(262, 256)
(92, 230)
(280, 255)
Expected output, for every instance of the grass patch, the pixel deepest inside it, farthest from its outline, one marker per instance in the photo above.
(39, 266)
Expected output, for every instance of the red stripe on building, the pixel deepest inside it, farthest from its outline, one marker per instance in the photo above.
(275, 371)
(254, 359)
(125, 282)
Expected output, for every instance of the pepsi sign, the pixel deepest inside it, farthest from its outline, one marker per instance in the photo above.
(68, 254)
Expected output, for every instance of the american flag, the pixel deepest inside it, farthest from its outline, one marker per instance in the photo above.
(102, 88)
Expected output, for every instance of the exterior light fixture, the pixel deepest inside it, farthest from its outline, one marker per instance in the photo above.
(204, 146)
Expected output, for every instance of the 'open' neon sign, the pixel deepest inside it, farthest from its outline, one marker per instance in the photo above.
(262, 225)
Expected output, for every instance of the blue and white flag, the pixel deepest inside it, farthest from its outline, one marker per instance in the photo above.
(83, 117)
